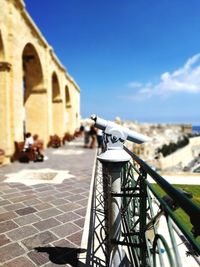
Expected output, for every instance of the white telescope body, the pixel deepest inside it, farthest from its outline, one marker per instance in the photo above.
(130, 135)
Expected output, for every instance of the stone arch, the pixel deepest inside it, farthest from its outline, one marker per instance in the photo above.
(57, 106)
(2, 95)
(67, 97)
(34, 93)
(56, 96)
(1, 48)
(68, 109)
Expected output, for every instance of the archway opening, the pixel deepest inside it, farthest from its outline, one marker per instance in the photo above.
(68, 109)
(2, 97)
(34, 94)
(1, 48)
(57, 106)
(55, 88)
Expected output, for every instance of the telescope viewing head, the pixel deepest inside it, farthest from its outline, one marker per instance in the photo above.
(114, 137)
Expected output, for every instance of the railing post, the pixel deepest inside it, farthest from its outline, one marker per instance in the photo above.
(115, 251)
(113, 159)
(143, 216)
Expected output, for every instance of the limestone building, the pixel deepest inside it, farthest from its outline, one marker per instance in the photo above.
(37, 94)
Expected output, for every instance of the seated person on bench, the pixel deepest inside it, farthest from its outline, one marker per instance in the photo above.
(32, 144)
(28, 142)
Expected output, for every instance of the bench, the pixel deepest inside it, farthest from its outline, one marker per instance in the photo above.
(67, 138)
(54, 141)
(18, 153)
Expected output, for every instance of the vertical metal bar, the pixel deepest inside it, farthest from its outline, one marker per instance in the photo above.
(154, 228)
(106, 192)
(173, 241)
(142, 218)
(116, 256)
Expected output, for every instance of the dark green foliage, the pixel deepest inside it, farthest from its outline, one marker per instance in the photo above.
(172, 147)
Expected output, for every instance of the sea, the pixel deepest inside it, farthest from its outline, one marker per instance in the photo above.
(196, 129)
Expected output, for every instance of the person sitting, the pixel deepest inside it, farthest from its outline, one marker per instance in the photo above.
(38, 147)
(37, 143)
(32, 148)
(27, 153)
(28, 142)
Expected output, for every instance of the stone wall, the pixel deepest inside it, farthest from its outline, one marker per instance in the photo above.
(182, 156)
(37, 94)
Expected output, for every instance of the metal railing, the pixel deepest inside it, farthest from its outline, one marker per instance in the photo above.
(152, 231)
(138, 226)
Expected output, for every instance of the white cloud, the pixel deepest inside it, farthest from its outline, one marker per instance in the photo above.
(184, 79)
(134, 85)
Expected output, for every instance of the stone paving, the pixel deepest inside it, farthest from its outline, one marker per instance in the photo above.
(42, 215)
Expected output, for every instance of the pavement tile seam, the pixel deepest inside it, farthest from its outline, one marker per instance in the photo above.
(46, 198)
(13, 206)
(49, 243)
(2, 210)
(52, 190)
(4, 240)
(20, 241)
(43, 209)
(4, 202)
(12, 213)
(63, 242)
(83, 202)
(11, 190)
(12, 245)
(47, 192)
(68, 220)
(64, 224)
(22, 198)
(76, 237)
(11, 234)
(37, 228)
(80, 222)
(32, 202)
(19, 257)
(27, 250)
(59, 201)
(75, 195)
(36, 225)
(38, 258)
(44, 190)
(7, 226)
(76, 226)
(25, 211)
(11, 196)
(57, 236)
(61, 194)
(24, 247)
(48, 213)
(21, 221)
(57, 228)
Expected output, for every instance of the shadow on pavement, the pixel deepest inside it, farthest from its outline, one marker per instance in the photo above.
(62, 255)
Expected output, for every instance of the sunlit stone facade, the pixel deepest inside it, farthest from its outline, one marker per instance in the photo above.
(37, 94)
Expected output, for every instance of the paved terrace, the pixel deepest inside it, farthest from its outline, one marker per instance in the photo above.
(43, 205)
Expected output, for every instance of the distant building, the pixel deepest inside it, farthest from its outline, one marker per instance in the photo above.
(37, 94)
(164, 134)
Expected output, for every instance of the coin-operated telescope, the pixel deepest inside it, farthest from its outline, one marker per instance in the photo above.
(114, 137)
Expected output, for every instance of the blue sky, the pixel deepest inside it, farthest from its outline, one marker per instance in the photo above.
(136, 59)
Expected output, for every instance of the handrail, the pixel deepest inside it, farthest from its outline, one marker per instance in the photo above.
(138, 220)
(185, 203)
(151, 232)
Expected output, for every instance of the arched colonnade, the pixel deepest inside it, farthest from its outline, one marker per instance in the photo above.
(37, 94)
